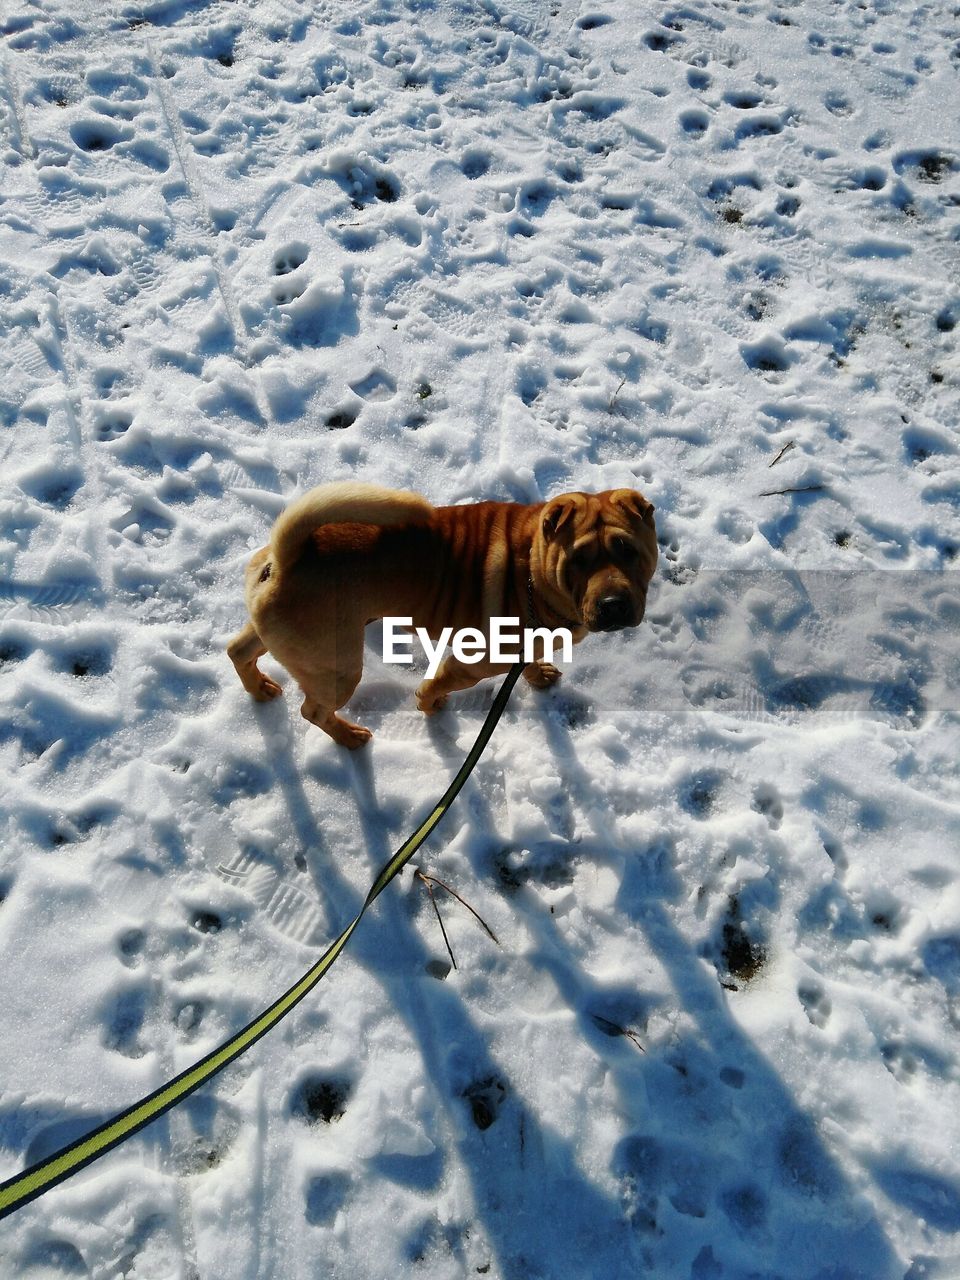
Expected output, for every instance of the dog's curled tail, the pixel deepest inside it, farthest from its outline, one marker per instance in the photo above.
(349, 502)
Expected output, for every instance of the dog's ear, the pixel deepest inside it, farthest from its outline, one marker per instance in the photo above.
(635, 505)
(557, 514)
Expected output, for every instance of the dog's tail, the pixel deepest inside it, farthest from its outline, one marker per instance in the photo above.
(348, 502)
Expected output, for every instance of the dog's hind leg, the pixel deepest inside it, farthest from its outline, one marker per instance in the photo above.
(324, 693)
(452, 677)
(244, 650)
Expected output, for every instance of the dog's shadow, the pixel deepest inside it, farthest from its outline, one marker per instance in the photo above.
(722, 1136)
(716, 1148)
(516, 1165)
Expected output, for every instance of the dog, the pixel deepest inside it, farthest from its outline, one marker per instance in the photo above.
(344, 555)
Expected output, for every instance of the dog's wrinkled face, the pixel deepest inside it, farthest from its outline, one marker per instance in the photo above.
(599, 551)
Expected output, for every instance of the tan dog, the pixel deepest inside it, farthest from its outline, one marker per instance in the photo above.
(347, 554)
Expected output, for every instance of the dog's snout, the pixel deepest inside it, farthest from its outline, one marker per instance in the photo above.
(614, 612)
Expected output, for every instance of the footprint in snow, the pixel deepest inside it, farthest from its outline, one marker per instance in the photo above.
(816, 1004)
(289, 258)
(117, 86)
(694, 123)
(97, 134)
(52, 1260)
(324, 1197)
(766, 800)
(320, 1098)
(205, 1131)
(485, 1098)
(746, 1207)
(123, 1022)
(60, 90)
(188, 1018)
(111, 426)
(530, 384)
(698, 795)
(377, 385)
(12, 651)
(142, 525)
(475, 163)
(899, 1061)
(130, 947)
(52, 488)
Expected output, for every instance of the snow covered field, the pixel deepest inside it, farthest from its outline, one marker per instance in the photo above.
(708, 249)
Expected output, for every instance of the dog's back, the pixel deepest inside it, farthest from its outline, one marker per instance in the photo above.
(347, 502)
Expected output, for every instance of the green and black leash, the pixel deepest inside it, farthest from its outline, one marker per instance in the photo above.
(40, 1177)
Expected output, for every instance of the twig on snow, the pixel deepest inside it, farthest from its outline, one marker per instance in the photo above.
(802, 488)
(614, 1029)
(789, 445)
(428, 880)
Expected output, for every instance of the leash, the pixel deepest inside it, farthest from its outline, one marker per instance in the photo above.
(33, 1182)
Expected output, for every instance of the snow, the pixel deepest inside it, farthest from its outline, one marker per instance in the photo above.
(707, 250)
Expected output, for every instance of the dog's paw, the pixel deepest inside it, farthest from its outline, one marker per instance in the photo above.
(429, 702)
(265, 689)
(349, 735)
(541, 675)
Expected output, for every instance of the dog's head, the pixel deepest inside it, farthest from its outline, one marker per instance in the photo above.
(598, 552)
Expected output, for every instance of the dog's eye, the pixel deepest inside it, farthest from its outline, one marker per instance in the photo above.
(624, 550)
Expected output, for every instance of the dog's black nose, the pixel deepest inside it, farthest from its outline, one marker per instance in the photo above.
(614, 612)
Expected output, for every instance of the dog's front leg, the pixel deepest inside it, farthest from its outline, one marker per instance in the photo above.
(541, 675)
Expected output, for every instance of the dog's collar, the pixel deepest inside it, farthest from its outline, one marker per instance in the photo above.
(534, 617)
(531, 608)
